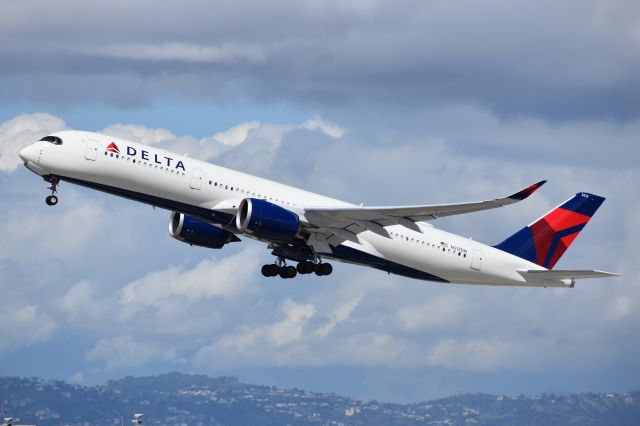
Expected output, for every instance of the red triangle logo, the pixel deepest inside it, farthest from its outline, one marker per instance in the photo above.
(113, 148)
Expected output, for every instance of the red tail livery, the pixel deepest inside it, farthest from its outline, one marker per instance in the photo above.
(545, 240)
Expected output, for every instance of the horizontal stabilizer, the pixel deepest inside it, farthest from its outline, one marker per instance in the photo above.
(559, 274)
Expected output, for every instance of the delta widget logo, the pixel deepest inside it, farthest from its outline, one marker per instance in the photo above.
(144, 155)
(113, 148)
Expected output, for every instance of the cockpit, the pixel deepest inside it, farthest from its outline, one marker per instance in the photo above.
(52, 139)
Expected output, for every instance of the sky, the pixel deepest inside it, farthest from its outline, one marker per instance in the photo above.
(382, 103)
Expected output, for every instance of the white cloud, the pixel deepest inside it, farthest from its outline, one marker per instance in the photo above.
(138, 133)
(444, 311)
(236, 134)
(61, 233)
(227, 278)
(21, 131)
(329, 129)
(125, 351)
(186, 52)
(338, 316)
(278, 343)
(23, 325)
(80, 305)
(472, 355)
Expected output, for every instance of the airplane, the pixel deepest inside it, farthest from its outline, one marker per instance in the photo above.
(212, 206)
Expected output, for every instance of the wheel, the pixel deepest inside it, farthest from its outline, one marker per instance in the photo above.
(266, 271)
(51, 200)
(326, 268)
(283, 272)
(305, 267)
(291, 271)
(322, 269)
(272, 270)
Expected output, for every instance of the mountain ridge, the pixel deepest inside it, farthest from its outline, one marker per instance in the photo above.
(177, 398)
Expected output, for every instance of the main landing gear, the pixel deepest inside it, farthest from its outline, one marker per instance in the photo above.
(52, 199)
(306, 267)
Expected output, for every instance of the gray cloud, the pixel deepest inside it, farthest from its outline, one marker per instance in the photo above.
(555, 61)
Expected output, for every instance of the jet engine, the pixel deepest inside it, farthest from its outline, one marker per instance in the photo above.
(267, 221)
(197, 232)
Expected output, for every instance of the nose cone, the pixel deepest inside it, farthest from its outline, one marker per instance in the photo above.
(28, 153)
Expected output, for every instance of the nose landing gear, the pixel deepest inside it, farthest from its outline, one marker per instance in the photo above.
(52, 199)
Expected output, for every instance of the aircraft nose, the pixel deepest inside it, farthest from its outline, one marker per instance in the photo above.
(28, 153)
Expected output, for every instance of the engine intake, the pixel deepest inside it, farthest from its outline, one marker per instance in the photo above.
(267, 221)
(196, 232)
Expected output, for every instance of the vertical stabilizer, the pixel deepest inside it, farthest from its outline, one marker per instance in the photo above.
(545, 240)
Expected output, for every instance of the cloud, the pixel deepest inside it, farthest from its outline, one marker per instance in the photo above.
(444, 311)
(184, 52)
(125, 351)
(275, 343)
(559, 62)
(227, 278)
(138, 133)
(196, 309)
(329, 129)
(64, 236)
(21, 131)
(23, 326)
(236, 134)
(472, 355)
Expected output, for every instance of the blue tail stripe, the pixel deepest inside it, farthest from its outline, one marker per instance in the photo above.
(584, 203)
(556, 240)
(520, 244)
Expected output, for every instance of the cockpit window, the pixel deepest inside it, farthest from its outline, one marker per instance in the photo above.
(52, 139)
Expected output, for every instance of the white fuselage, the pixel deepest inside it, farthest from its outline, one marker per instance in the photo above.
(180, 183)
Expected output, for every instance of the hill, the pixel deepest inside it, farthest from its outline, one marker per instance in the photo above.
(180, 399)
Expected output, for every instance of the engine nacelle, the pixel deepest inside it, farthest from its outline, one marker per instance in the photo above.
(197, 232)
(267, 221)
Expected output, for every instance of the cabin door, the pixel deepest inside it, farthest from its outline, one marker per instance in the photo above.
(196, 179)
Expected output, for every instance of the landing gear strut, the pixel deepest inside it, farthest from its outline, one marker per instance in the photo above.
(52, 199)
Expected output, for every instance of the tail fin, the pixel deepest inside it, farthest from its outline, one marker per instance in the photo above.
(545, 240)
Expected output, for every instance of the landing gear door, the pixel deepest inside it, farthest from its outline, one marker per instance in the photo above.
(91, 152)
(476, 262)
(196, 179)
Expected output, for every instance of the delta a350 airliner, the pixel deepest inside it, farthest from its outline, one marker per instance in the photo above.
(212, 206)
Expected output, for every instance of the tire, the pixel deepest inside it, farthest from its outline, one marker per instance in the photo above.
(51, 200)
(318, 269)
(326, 268)
(272, 270)
(305, 267)
(266, 271)
(283, 272)
(291, 271)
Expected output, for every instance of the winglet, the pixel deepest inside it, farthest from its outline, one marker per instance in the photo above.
(527, 191)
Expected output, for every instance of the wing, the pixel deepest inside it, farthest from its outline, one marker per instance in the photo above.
(356, 219)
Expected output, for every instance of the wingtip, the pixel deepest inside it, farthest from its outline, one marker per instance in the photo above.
(527, 191)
